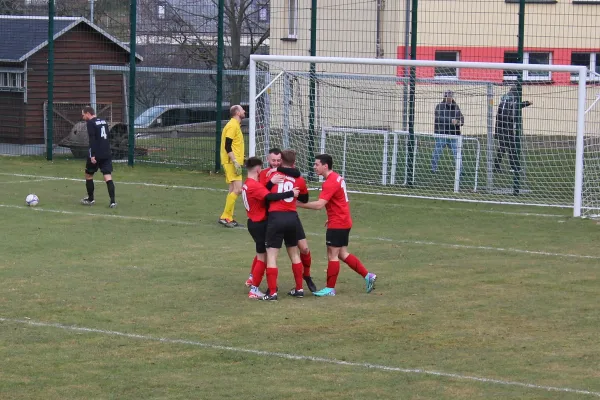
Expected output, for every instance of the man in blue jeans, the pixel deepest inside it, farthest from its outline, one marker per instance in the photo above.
(448, 120)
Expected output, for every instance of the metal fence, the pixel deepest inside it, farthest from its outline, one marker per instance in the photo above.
(164, 72)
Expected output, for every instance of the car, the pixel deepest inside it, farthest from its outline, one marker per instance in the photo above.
(182, 120)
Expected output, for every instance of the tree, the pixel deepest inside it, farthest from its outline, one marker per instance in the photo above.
(191, 26)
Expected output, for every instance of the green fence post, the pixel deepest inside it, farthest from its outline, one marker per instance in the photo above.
(312, 94)
(50, 111)
(220, 66)
(410, 178)
(519, 116)
(132, 69)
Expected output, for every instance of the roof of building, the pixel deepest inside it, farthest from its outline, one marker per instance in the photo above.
(26, 35)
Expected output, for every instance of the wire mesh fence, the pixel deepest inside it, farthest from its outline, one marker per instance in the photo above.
(175, 99)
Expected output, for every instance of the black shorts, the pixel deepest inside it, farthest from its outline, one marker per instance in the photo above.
(300, 235)
(258, 231)
(337, 237)
(281, 228)
(104, 165)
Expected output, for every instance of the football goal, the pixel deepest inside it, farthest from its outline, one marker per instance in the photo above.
(462, 131)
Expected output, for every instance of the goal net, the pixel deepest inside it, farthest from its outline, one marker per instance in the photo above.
(484, 132)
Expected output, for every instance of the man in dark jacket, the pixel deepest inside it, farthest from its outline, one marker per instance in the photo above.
(448, 120)
(507, 122)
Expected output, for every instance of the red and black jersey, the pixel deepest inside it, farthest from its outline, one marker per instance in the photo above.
(289, 183)
(338, 205)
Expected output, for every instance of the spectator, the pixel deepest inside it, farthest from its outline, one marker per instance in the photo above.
(507, 122)
(448, 120)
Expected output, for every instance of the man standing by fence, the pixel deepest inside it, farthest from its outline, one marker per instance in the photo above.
(507, 122)
(448, 120)
(232, 154)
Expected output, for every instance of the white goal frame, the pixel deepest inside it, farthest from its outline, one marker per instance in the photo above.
(394, 161)
(581, 71)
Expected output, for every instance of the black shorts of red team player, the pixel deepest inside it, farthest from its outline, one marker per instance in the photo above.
(104, 165)
(300, 235)
(282, 227)
(337, 237)
(258, 231)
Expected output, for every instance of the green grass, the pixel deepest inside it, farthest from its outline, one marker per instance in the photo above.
(470, 310)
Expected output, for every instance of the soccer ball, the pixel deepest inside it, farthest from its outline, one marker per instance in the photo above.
(32, 200)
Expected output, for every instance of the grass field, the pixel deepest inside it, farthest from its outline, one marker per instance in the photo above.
(147, 301)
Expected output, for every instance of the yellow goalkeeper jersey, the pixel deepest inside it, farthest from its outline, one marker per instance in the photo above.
(233, 131)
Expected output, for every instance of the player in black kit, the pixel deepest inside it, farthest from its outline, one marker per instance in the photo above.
(99, 156)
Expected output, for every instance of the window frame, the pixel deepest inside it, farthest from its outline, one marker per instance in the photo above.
(161, 11)
(526, 77)
(593, 65)
(12, 79)
(292, 19)
(457, 70)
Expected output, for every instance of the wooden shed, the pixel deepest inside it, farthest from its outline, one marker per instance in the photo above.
(24, 74)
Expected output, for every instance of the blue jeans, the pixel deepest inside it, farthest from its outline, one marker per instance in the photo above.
(440, 143)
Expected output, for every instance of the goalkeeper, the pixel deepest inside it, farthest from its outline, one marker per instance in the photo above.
(232, 154)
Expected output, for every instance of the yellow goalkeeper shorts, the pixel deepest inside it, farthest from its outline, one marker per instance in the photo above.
(230, 174)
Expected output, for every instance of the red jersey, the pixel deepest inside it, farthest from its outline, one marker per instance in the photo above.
(288, 184)
(338, 205)
(262, 177)
(253, 195)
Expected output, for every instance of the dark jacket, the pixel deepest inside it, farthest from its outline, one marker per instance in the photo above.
(444, 114)
(506, 116)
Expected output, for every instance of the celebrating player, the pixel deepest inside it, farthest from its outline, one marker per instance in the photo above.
(99, 156)
(232, 153)
(334, 197)
(254, 195)
(282, 227)
(274, 160)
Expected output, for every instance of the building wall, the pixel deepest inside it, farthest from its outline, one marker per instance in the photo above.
(478, 30)
(75, 51)
(12, 111)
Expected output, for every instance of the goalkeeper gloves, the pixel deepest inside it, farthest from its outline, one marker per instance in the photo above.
(238, 168)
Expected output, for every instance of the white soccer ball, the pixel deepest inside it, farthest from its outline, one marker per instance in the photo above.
(32, 200)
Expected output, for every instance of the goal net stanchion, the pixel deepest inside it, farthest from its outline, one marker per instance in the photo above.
(353, 109)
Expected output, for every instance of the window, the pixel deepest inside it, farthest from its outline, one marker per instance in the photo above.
(161, 11)
(443, 72)
(589, 60)
(12, 80)
(292, 19)
(528, 58)
(263, 14)
(533, 1)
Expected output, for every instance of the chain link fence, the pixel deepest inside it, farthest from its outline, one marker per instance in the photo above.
(65, 54)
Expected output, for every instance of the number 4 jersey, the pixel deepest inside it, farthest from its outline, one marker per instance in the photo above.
(288, 184)
(98, 136)
(338, 205)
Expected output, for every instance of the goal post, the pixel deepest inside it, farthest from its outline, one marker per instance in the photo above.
(353, 108)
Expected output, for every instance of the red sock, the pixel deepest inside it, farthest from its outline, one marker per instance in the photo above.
(333, 270)
(356, 265)
(253, 265)
(272, 279)
(258, 273)
(306, 261)
(297, 270)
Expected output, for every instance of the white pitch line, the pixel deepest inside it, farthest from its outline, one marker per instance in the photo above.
(472, 247)
(29, 180)
(379, 239)
(297, 357)
(119, 182)
(39, 209)
(525, 214)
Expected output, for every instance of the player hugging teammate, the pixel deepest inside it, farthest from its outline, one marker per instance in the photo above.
(270, 198)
